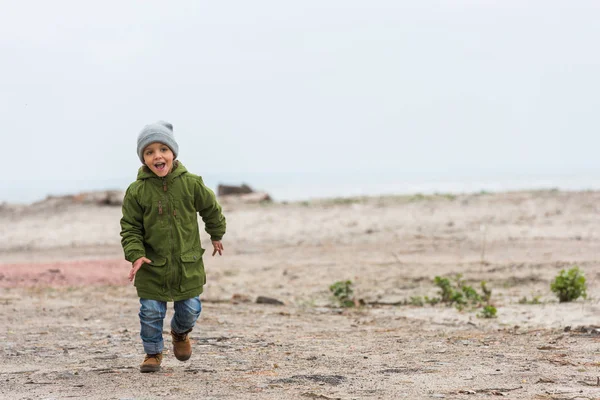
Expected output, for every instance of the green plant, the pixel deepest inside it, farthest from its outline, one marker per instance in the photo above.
(534, 300)
(416, 301)
(342, 291)
(459, 294)
(471, 294)
(446, 291)
(569, 285)
(432, 301)
(487, 293)
(488, 312)
(448, 196)
(417, 197)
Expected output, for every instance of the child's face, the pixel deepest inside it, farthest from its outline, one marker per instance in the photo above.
(159, 158)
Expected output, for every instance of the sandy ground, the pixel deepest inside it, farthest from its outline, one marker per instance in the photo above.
(69, 326)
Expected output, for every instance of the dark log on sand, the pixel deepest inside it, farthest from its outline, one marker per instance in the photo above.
(226, 190)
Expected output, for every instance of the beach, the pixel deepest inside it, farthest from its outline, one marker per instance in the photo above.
(70, 327)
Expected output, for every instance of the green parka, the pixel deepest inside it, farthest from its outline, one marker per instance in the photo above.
(160, 222)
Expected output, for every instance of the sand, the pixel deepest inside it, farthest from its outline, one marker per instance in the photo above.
(69, 325)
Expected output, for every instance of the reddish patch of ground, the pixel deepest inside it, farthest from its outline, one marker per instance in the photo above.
(69, 273)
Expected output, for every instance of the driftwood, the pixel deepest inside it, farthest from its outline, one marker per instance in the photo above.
(226, 190)
(101, 197)
(241, 194)
(104, 197)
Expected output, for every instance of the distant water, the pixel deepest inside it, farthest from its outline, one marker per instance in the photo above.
(310, 186)
(374, 187)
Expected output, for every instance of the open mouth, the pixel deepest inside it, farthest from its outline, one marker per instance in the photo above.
(160, 166)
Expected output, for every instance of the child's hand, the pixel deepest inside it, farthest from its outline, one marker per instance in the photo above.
(137, 264)
(218, 247)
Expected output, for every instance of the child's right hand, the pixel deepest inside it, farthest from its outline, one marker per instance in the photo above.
(137, 264)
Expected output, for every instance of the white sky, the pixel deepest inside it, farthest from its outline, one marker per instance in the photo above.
(313, 86)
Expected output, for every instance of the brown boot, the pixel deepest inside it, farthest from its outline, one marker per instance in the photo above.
(182, 348)
(151, 363)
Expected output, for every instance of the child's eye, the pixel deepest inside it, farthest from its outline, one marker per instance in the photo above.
(148, 153)
(164, 149)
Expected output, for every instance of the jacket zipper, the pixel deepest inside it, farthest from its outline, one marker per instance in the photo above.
(171, 222)
(164, 185)
(160, 211)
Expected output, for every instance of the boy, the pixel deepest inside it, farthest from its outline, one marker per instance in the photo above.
(161, 239)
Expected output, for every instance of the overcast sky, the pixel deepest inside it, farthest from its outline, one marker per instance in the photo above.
(414, 88)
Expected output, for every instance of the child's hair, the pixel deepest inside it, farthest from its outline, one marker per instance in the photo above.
(159, 131)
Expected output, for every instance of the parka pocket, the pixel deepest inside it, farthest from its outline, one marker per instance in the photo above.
(150, 277)
(192, 270)
(158, 261)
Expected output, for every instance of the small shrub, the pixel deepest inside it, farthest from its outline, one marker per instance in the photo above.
(342, 292)
(448, 196)
(488, 312)
(446, 290)
(432, 301)
(459, 294)
(487, 293)
(417, 197)
(416, 301)
(534, 300)
(471, 294)
(569, 285)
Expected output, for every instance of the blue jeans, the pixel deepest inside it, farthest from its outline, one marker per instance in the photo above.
(152, 314)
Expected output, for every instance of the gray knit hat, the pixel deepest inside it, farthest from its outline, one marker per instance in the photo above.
(159, 131)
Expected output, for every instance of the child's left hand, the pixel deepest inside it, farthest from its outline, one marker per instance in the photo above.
(218, 247)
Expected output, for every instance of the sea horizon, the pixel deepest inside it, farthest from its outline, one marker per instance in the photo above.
(301, 187)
